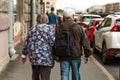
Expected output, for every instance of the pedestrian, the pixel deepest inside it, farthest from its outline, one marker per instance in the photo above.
(52, 18)
(38, 45)
(72, 46)
(59, 18)
(47, 13)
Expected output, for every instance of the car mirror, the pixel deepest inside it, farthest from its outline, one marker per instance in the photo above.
(98, 27)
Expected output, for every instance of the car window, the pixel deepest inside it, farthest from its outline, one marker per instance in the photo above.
(86, 19)
(91, 23)
(106, 22)
(92, 17)
(102, 23)
(118, 21)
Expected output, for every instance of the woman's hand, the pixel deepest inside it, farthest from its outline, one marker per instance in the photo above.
(23, 59)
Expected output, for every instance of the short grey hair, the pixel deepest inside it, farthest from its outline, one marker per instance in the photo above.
(42, 19)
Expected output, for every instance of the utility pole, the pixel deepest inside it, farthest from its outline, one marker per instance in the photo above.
(33, 12)
(10, 32)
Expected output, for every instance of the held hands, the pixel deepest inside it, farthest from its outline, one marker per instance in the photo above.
(86, 60)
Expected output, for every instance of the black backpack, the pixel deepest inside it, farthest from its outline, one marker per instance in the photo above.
(65, 44)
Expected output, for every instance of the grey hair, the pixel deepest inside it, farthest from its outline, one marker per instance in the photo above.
(42, 19)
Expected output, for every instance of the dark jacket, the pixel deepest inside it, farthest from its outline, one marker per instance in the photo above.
(80, 39)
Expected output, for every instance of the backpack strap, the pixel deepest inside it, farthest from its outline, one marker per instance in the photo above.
(72, 25)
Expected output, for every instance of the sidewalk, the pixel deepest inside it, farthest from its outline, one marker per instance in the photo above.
(16, 71)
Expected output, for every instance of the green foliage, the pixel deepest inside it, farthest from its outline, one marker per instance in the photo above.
(59, 10)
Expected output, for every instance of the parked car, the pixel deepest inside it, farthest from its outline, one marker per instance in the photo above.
(91, 28)
(107, 38)
(87, 17)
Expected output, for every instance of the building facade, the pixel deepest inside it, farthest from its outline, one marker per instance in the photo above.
(95, 9)
(116, 7)
(112, 7)
(48, 4)
(4, 25)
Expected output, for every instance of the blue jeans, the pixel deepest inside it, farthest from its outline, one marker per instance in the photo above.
(65, 69)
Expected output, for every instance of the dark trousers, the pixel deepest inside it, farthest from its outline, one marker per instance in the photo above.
(41, 72)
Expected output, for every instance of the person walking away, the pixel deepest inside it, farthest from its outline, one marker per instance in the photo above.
(59, 18)
(52, 18)
(47, 13)
(73, 40)
(37, 45)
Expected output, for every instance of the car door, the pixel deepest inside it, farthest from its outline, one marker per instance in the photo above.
(101, 31)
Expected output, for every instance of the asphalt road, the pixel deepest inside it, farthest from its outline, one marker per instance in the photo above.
(112, 67)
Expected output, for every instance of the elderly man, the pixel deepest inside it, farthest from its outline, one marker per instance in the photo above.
(72, 43)
(37, 45)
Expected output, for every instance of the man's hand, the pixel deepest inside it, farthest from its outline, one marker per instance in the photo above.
(56, 58)
(86, 60)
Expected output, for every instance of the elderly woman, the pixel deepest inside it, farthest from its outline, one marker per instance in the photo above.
(37, 45)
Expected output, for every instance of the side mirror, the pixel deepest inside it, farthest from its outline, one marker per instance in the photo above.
(98, 26)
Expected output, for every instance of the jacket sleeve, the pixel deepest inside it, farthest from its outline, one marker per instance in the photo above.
(52, 35)
(26, 44)
(85, 43)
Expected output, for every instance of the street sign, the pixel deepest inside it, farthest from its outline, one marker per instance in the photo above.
(47, 4)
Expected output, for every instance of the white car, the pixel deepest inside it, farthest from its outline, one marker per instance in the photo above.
(107, 37)
(86, 18)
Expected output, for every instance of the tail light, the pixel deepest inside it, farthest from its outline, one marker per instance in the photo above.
(111, 52)
(116, 28)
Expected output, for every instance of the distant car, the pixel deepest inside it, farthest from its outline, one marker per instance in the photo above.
(91, 28)
(87, 17)
(107, 38)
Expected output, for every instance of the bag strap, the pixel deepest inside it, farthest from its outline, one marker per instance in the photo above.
(45, 40)
(70, 27)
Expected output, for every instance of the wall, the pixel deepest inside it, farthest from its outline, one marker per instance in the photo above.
(4, 57)
(4, 25)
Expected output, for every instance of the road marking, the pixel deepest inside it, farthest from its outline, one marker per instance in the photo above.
(103, 69)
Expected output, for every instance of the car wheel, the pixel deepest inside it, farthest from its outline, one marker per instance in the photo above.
(92, 42)
(93, 46)
(104, 54)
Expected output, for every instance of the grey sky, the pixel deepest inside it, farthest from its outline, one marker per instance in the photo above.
(81, 4)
